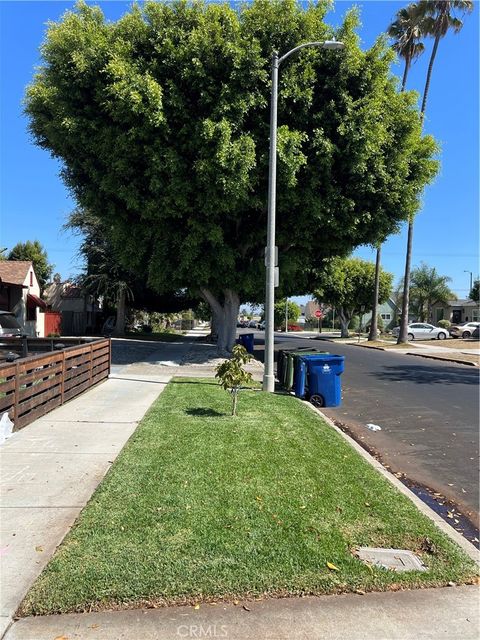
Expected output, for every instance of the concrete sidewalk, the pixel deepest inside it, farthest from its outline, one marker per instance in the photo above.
(427, 614)
(50, 469)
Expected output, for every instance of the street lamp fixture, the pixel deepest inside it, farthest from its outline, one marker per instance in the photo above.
(268, 377)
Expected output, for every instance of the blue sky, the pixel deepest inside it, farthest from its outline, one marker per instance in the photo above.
(34, 203)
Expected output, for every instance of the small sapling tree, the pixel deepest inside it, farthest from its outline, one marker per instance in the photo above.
(232, 375)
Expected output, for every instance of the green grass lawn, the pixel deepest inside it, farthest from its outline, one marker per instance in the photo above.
(203, 506)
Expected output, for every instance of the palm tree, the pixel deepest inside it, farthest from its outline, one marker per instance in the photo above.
(103, 277)
(436, 19)
(406, 32)
(427, 286)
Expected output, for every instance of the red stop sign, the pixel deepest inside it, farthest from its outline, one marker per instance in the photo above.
(318, 313)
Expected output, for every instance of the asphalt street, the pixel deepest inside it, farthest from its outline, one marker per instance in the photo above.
(428, 412)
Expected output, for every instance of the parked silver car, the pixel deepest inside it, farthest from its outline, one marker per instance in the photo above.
(423, 331)
(9, 325)
(463, 330)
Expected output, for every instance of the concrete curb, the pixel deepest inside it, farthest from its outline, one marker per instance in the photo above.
(433, 357)
(456, 537)
(418, 355)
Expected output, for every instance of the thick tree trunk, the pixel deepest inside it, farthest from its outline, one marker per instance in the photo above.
(373, 335)
(344, 318)
(224, 317)
(120, 321)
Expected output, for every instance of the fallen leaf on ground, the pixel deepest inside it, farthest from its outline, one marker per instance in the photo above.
(332, 567)
(246, 608)
(39, 549)
(197, 606)
(360, 592)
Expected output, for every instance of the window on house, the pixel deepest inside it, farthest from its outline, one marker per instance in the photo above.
(386, 316)
(475, 315)
(31, 313)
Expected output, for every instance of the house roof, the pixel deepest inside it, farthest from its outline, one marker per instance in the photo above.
(62, 289)
(72, 291)
(14, 271)
(462, 303)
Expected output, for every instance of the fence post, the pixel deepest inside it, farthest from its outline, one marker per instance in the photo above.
(16, 397)
(91, 364)
(62, 379)
(109, 355)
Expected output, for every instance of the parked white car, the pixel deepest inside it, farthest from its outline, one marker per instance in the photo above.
(464, 330)
(423, 331)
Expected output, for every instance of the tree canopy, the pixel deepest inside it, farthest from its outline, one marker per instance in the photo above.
(475, 291)
(161, 122)
(34, 252)
(348, 284)
(280, 312)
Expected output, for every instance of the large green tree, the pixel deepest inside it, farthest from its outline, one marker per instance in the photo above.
(34, 252)
(161, 122)
(348, 284)
(427, 286)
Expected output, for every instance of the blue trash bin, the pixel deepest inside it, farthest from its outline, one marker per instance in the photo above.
(247, 341)
(318, 379)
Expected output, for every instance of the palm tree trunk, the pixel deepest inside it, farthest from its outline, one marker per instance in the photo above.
(403, 335)
(429, 74)
(405, 73)
(120, 322)
(402, 338)
(373, 335)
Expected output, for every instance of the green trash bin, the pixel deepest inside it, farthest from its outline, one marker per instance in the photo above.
(282, 360)
(290, 364)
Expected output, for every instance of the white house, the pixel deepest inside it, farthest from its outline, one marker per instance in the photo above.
(20, 294)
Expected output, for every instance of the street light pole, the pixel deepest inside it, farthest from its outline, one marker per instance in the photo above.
(471, 278)
(268, 376)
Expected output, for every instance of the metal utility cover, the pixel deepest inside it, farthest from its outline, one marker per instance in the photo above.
(393, 559)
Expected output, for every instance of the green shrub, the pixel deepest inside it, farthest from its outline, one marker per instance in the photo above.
(445, 324)
(231, 374)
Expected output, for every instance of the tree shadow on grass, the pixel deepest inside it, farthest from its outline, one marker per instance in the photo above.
(203, 413)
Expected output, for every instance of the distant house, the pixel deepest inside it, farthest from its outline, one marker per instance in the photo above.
(456, 311)
(20, 294)
(79, 309)
(388, 311)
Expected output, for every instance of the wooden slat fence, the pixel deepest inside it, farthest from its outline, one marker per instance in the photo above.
(33, 386)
